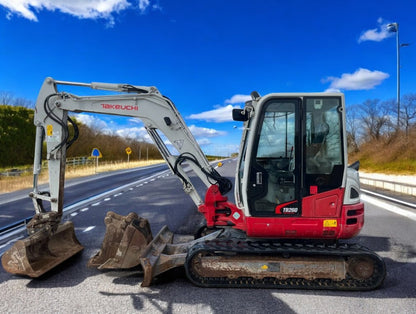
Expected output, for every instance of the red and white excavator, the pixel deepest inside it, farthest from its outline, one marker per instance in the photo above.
(295, 196)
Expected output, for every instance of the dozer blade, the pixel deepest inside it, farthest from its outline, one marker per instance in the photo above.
(125, 239)
(162, 254)
(152, 259)
(41, 252)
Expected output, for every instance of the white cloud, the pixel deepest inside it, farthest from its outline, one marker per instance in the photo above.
(362, 79)
(94, 123)
(135, 121)
(203, 141)
(143, 4)
(83, 9)
(205, 132)
(100, 125)
(220, 114)
(332, 90)
(376, 34)
(136, 133)
(238, 99)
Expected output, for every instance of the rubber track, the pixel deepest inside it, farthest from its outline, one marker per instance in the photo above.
(244, 247)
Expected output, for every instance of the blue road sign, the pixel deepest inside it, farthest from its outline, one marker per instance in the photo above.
(96, 153)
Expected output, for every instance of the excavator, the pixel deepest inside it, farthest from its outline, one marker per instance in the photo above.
(296, 198)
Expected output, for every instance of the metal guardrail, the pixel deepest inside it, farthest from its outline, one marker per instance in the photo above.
(399, 187)
(390, 199)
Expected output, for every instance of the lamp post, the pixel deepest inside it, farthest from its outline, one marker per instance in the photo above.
(394, 27)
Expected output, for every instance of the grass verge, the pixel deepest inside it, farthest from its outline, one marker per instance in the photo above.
(10, 184)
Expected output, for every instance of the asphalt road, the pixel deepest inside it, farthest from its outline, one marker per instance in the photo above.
(16, 206)
(72, 287)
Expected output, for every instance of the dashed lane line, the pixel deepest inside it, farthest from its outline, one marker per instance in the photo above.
(70, 210)
(88, 228)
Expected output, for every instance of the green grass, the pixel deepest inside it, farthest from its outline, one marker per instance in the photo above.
(407, 167)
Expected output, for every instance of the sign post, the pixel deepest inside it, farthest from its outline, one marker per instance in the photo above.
(128, 152)
(97, 154)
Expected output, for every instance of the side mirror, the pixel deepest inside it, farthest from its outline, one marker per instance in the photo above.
(240, 115)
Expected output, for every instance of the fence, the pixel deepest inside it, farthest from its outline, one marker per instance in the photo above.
(72, 161)
(79, 161)
(396, 186)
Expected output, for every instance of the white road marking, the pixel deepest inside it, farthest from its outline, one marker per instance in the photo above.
(96, 204)
(11, 241)
(6, 216)
(84, 209)
(107, 199)
(388, 198)
(118, 194)
(397, 210)
(68, 210)
(89, 228)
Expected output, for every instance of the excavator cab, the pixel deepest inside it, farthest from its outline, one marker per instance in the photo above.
(292, 163)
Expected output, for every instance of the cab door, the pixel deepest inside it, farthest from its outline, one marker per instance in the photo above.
(274, 170)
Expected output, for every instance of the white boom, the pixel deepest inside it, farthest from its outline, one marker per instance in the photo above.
(157, 112)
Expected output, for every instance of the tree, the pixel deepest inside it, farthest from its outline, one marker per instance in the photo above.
(375, 117)
(17, 136)
(352, 129)
(7, 98)
(408, 111)
(111, 146)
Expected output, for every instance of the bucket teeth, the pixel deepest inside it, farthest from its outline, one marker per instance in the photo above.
(125, 238)
(41, 251)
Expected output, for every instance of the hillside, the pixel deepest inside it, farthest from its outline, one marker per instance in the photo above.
(17, 140)
(393, 153)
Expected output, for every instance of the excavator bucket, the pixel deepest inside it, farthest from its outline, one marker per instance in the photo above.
(125, 239)
(41, 252)
(128, 242)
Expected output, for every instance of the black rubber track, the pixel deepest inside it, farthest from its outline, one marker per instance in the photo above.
(245, 247)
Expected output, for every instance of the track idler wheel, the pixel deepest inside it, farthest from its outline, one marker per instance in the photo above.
(125, 239)
(361, 268)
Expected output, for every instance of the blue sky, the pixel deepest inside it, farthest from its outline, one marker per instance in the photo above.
(207, 56)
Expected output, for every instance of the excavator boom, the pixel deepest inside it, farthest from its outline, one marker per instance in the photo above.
(50, 243)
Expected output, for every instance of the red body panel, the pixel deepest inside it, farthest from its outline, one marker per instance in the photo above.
(323, 217)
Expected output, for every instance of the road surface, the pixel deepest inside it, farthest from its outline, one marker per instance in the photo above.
(17, 206)
(72, 287)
